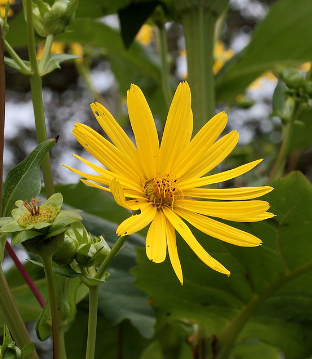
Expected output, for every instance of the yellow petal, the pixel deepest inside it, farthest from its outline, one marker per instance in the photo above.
(106, 177)
(118, 193)
(156, 243)
(138, 221)
(216, 154)
(178, 128)
(105, 152)
(218, 177)
(189, 238)
(115, 132)
(219, 230)
(242, 211)
(144, 130)
(198, 148)
(241, 193)
(173, 251)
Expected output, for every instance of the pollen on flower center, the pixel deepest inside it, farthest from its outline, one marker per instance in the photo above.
(36, 214)
(162, 191)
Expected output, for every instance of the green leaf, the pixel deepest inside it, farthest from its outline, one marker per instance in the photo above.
(19, 237)
(130, 303)
(268, 295)
(141, 12)
(279, 101)
(27, 349)
(63, 270)
(15, 65)
(301, 138)
(54, 62)
(95, 33)
(282, 38)
(23, 181)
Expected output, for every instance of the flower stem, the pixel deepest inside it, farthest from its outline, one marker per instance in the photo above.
(47, 264)
(36, 92)
(2, 115)
(92, 322)
(25, 275)
(62, 344)
(278, 167)
(199, 24)
(163, 48)
(12, 316)
(45, 53)
(110, 257)
(15, 57)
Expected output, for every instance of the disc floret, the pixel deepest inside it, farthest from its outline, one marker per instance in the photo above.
(162, 190)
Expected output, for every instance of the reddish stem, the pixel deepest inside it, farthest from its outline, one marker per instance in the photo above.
(25, 275)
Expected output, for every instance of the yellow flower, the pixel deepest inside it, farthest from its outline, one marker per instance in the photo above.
(221, 56)
(145, 34)
(2, 7)
(59, 48)
(164, 181)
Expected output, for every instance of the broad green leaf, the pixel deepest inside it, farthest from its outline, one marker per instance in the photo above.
(301, 138)
(23, 181)
(282, 38)
(130, 303)
(268, 295)
(255, 350)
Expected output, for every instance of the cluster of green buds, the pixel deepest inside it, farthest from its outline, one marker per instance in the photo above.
(52, 20)
(299, 88)
(40, 228)
(8, 350)
(79, 245)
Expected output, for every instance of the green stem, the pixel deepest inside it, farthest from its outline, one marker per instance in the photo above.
(47, 264)
(36, 92)
(199, 24)
(62, 344)
(15, 57)
(279, 164)
(92, 322)
(12, 316)
(163, 48)
(45, 53)
(110, 257)
(228, 337)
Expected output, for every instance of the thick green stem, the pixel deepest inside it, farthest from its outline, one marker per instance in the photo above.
(45, 53)
(92, 322)
(199, 25)
(12, 316)
(163, 49)
(227, 338)
(63, 354)
(110, 257)
(47, 264)
(36, 92)
(15, 57)
(277, 170)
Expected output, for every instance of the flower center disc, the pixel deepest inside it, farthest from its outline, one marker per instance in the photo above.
(161, 191)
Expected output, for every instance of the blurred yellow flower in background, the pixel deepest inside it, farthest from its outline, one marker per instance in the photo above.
(165, 180)
(2, 7)
(221, 56)
(145, 34)
(75, 48)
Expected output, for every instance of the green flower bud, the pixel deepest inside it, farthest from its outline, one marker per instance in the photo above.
(35, 225)
(66, 253)
(292, 77)
(8, 350)
(53, 19)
